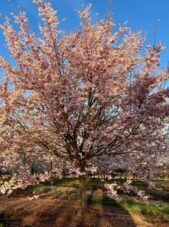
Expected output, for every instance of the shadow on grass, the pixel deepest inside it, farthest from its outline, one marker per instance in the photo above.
(111, 212)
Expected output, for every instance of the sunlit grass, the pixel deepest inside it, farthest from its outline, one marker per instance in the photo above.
(151, 210)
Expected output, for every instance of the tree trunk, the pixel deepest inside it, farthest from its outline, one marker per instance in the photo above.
(83, 196)
(51, 166)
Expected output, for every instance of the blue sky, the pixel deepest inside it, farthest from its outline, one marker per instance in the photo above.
(142, 15)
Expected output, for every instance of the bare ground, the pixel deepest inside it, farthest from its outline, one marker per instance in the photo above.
(50, 211)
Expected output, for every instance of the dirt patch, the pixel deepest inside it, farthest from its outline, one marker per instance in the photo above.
(52, 212)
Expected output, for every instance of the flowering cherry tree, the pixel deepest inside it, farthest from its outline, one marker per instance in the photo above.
(82, 95)
(142, 160)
